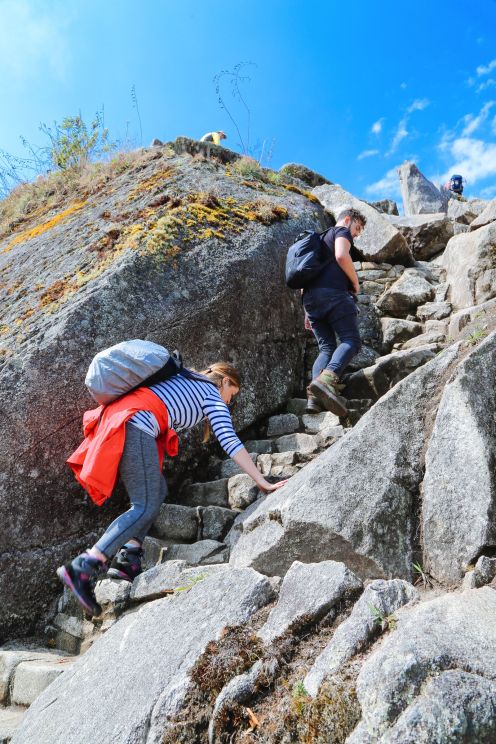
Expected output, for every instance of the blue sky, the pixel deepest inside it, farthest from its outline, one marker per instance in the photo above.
(349, 89)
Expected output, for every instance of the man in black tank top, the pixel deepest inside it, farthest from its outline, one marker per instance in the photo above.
(330, 310)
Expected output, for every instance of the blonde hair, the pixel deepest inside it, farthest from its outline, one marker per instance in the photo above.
(216, 373)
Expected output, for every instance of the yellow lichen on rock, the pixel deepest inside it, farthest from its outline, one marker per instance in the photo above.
(33, 232)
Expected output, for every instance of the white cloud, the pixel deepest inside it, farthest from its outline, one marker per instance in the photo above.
(377, 126)
(388, 186)
(481, 70)
(486, 84)
(418, 105)
(474, 122)
(401, 131)
(32, 39)
(367, 154)
(473, 158)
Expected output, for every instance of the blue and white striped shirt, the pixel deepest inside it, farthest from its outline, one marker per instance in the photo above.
(188, 401)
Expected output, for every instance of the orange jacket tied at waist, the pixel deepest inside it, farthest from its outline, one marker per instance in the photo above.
(96, 460)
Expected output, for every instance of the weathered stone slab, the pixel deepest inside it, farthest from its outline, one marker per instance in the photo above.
(308, 592)
(485, 217)
(453, 632)
(11, 655)
(201, 552)
(176, 522)
(459, 489)
(462, 318)
(32, 677)
(216, 522)
(380, 241)
(406, 294)
(242, 489)
(150, 651)
(229, 468)
(373, 382)
(470, 267)
(260, 446)
(465, 212)
(433, 311)
(303, 443)
(211, 493)
(285, 423)
(297, 406)
(169, 576)
(380, 598)
(396, 330)
(426, 234)
(432, 339)
(10, 720)
(314, 423)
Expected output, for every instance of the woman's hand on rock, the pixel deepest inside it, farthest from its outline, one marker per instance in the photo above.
(267, 487)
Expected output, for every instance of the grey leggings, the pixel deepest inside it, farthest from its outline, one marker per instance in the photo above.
(146, 487)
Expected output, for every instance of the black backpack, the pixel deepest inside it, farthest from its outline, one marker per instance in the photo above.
(456, 184)
(306, 258)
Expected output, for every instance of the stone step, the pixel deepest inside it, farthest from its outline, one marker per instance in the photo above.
(200, 553)
(297, 406)
(10, 720)
(17, 653)
(303, 443)
(211, 493)
(32, 677)
(229, 468)
(284, 423)
(260, 446)
(177, 522)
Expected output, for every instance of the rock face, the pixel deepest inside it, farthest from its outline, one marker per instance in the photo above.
(450, 640)
(465, 212)
(380, 241)
(380, 599)
(420, 196)
(322, 514)
(459, 490)
(395, 331)
(487, 215)
(426, 235)
(150, 652)
(308, 592)
(153, 257)
(470, 267)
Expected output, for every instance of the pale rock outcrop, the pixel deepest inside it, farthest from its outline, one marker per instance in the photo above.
(470, 264)
(433, 678)
(420, 196)
(467, 211)
(459, 488)
(485, 216)
(396, 330)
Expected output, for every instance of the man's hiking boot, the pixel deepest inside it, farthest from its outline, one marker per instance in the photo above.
(126, 565)
(325, 388)
(313, 405)
(79, 576)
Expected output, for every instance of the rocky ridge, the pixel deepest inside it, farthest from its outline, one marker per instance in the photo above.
(294, 617)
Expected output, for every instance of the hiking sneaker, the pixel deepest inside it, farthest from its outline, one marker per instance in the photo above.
(126, 565)
(313, 405)
(79, 576)
(325, 388)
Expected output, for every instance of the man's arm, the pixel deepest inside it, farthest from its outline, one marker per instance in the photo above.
(343, 258)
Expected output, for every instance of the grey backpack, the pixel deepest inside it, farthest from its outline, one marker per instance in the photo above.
(126, 366)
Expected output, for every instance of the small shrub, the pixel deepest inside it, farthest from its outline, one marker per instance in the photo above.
(476, 336)
(385, 622)
(248, 168)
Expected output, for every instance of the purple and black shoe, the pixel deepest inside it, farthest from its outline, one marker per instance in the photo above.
(78, 576)
(126, 565)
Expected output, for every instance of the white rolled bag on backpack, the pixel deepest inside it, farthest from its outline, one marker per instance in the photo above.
(121, 368)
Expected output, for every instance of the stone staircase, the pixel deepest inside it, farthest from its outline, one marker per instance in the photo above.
(191, 537)
(197, 527)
